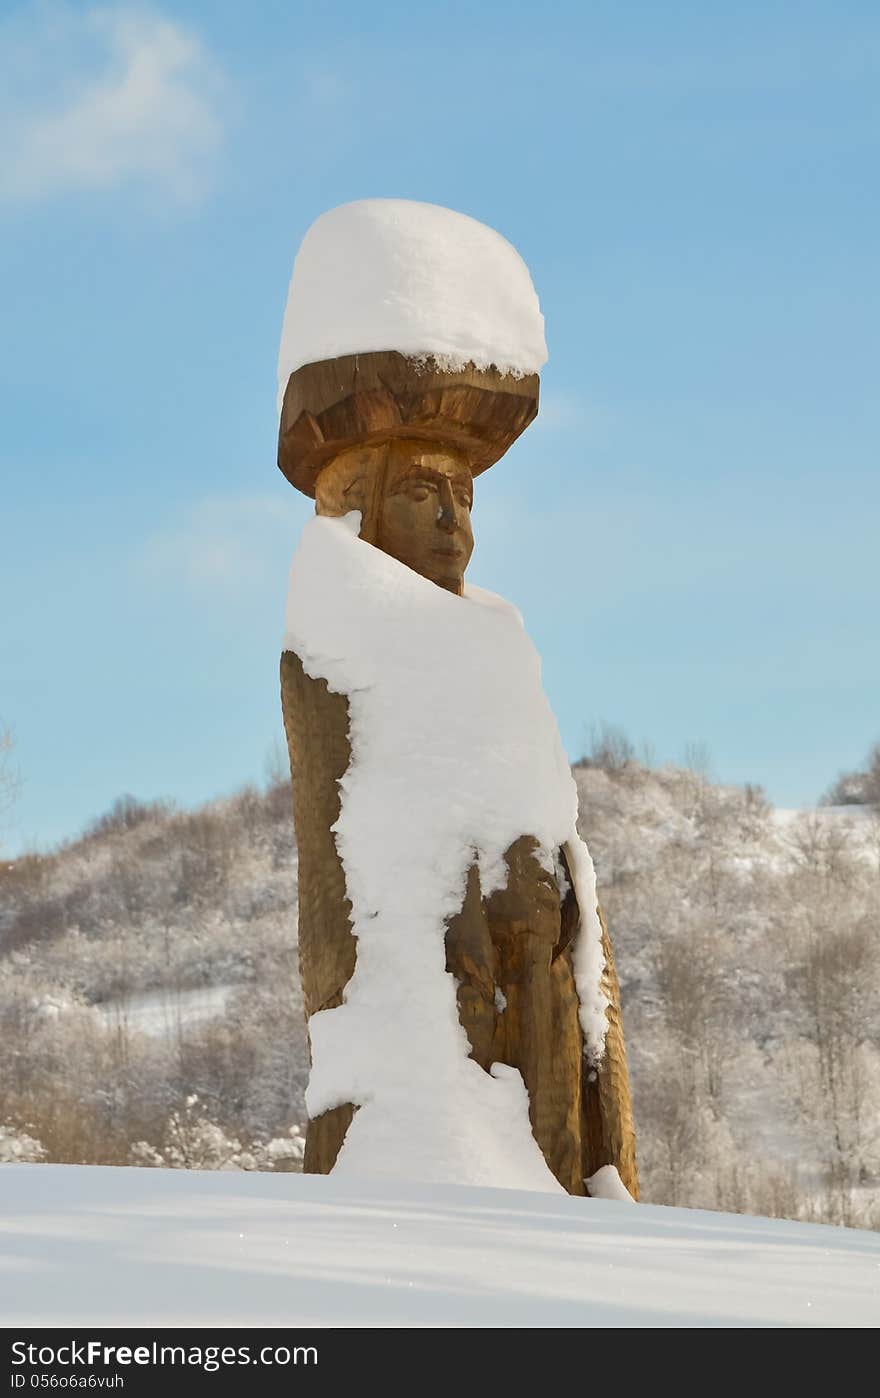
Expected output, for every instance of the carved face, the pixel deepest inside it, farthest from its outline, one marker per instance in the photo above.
(415, 501)
(426, 512)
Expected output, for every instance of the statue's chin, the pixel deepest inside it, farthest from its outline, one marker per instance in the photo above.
(450, 584)
(450, 580)
(450, 577)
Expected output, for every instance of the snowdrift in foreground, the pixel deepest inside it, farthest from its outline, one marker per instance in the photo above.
(455, 754)
(85, 1246)
(394, 274)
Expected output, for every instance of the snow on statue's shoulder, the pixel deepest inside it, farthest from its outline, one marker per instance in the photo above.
(483, 598)
(455, 753)
(393, 274)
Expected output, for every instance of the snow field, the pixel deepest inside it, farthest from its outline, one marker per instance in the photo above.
(84, 1246)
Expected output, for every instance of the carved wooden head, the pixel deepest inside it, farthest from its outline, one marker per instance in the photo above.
(401, 440)
(415, 499)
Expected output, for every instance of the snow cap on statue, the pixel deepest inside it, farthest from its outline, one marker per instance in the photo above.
(405, 319)
(392, 274)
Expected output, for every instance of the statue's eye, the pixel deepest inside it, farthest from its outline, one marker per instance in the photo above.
(419, 489)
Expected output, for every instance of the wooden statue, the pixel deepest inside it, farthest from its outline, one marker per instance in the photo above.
(401, 441)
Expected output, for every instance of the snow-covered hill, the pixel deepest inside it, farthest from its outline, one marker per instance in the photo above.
(152, 1248)
(747, 940)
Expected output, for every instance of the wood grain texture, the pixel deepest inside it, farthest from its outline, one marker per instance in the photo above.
(359, 399)
(316, 727)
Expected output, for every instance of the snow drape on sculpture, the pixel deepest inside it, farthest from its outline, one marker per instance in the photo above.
(455, 755)
(382, 274)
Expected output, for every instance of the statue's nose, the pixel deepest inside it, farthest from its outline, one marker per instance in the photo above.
(447, 515)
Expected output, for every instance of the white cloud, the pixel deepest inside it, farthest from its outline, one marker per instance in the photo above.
(96, 97)
(571, 412)
(559, 411)
(326, 89)
(227, 544)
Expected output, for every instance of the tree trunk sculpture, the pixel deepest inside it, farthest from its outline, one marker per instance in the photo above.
(401, 441)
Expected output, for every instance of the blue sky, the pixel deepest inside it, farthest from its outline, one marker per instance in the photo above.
(691, 527)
